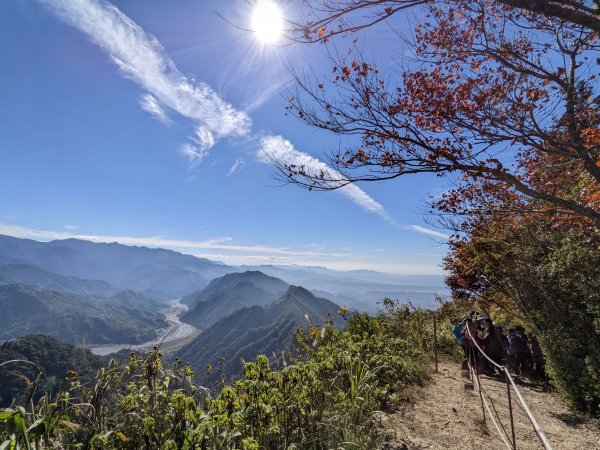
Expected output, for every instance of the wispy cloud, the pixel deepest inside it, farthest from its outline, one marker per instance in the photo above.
(263, 95)
(149, 103)
(225, 249)
(429, 232)
(237, 166)
(142, 58)
(194, 154)
(219, 243)
(196, 151)
(280, 149)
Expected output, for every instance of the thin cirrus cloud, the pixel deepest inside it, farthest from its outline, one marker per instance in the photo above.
(223, 244)
(149, 103)
(282, 150)
(237, 166)
(224, 249)
(141, 57)
(429, 231)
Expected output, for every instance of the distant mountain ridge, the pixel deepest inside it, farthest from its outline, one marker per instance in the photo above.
(360, 289)
(38, 277)
(229, 293)
(256, 329)
(106, 293)
(165, 273)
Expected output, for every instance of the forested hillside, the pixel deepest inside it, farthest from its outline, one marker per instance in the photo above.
(76, 318)
(267, 329)
(43, 364)
(230, 293)
(322, 397)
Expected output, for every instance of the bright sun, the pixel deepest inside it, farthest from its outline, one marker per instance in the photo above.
(267, 21)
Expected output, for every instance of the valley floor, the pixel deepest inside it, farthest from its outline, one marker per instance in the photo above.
(172, 338)
(448, 415)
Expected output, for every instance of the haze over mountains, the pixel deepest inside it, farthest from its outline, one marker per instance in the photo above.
(360, 289)
(159, 273)
(86, 267)
(89, 293)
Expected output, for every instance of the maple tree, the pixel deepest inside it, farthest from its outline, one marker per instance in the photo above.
(502, 96)
(328, 17)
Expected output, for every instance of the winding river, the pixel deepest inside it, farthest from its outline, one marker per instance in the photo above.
(176, 333)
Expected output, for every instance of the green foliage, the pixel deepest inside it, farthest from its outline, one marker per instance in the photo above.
(43, 356)
(324, 397)
(570, 335)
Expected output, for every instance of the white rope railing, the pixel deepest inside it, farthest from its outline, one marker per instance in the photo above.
(538, 430)
(502, 438)
(534, 422)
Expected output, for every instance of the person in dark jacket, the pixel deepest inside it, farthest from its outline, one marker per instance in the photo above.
(518, 350)
(492, 345)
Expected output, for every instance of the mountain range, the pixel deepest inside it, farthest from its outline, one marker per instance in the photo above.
(360, 290)
(78, 319)
(227, 294)
(107, 293)
(266, 329)
(160, 273)
(80, 266)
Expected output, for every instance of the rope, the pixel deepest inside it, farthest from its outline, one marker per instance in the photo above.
(482, 390)
(482, 352)
(508, 445)
(494, 408)
(532, 419)
(536, 426)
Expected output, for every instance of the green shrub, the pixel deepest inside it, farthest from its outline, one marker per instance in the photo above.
(323, 398)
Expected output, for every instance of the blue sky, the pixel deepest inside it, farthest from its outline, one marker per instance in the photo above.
(142, 122)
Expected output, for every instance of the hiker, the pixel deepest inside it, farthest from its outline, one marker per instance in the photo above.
(538, 363)
(458, 332)
(504, 343)
(492, 345)
(519, 355)
(470, 335)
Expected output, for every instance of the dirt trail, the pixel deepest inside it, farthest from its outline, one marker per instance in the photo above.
(448, 415)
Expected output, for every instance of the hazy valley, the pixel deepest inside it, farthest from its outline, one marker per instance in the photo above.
(112, 297)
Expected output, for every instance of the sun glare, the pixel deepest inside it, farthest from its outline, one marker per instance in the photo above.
(267, 21)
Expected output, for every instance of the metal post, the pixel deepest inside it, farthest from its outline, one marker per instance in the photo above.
(435, 343)
(480, 395)
(512, 424)
(468, 355)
